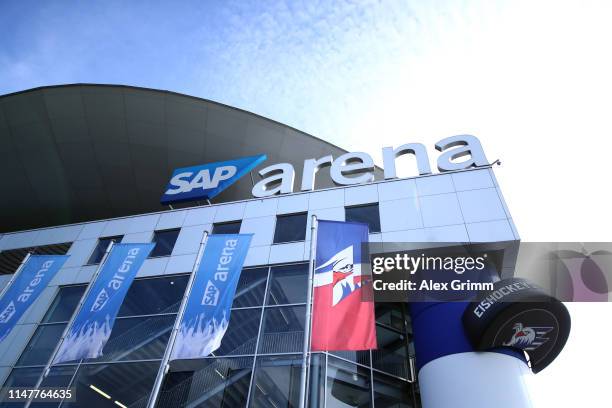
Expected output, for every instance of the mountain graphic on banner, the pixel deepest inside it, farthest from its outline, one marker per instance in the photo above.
(89, 339)
(200, 337)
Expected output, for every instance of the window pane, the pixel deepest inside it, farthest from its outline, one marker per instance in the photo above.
(19, 377)
(137, 338)
(10, 259)
(227, 227)
(390, 314)
(368, 214)
(391, 392)
(27, 377)
(164, 242)
(154, 296)
(392, 353)
(288, 284)
(283, 330)
(290, 228)
(361, 357)
(63, 305)
(277, 382)
(348, 385)
(241, 334)
(98, 253)
(59, 377)
(53, 249)
(417, 394)
(251, 287)
(43, 342)
(129, 384)
(221, 383)
(316, 385)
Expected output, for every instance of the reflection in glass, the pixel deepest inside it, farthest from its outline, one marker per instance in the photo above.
(64, 304)
(154, 295)
(288, 284)
(348, 385)
(283, 330)
(361, 357)
(19, 377)
(241, 335)
(390, 314)
(417, 394)
(316, 385)
(113, 385)
(219, 383)
(392, 353)
(41, 345)
(391, 392)
(59, 378)
(137, 338)
(277, 382)
(251, 287)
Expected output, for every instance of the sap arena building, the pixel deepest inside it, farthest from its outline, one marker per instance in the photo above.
(83, 165)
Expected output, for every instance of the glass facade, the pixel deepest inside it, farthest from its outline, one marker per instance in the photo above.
(258, 364)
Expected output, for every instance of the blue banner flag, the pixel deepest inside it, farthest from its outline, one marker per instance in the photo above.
(35, 275)
(94, 322)
(207, 312)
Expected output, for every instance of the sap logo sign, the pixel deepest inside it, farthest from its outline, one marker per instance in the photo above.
(185, 181)
(207, 180)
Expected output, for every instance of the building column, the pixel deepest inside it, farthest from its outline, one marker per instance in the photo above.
(451, 374)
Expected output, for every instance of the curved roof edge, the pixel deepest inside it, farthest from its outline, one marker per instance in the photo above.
(142, 88)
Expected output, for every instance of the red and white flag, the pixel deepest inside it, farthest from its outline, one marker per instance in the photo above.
(343, 315)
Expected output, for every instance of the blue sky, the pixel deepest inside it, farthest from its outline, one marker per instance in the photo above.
(286, 60)
(339, 70)
(531, 79)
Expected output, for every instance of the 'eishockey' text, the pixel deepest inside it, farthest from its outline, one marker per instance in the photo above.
(498, 294)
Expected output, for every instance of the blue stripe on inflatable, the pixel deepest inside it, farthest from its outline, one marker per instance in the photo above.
(438, 331)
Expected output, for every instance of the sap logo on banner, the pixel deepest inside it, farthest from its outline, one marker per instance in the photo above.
(211, 295)
(8, 313)
(207, 180)
(100, 301)
(358, 167)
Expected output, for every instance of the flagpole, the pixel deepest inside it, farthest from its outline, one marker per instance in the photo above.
(308, 325)
(47, 368)
(164, 366)
(16, 274)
